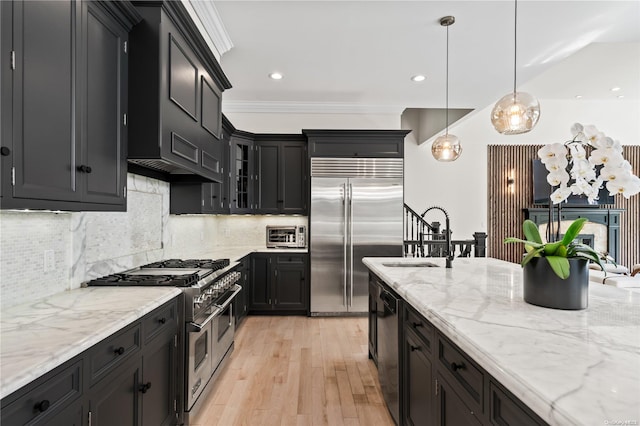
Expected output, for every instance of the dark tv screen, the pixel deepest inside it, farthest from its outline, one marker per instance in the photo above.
(542, 190)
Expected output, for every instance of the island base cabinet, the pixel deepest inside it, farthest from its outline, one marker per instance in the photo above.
(450, 409)
(418, 383)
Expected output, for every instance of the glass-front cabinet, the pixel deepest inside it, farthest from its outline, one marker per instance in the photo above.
(241, 173)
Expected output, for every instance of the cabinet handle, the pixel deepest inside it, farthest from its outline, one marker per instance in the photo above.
(414, 348)
(4, 151)
(84, 169)
(281, 201)
(162, 320)
(456, 367)
(417, 324)
(119, 351)
(144, 387)
(42, 406)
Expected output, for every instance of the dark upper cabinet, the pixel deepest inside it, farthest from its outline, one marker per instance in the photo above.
(356, 143)
(281, 174)
(175, 97)
(63, 127)
(241, 175)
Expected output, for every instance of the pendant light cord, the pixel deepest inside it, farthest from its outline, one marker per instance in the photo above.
(515, 46)
(447, 88)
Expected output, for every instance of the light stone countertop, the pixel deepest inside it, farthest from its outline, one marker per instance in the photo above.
(570, 367)
(37, 337)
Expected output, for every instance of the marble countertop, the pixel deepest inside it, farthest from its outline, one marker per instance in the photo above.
(37, 337)
(570, 367)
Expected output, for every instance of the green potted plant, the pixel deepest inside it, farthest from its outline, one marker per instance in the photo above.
(555, 274)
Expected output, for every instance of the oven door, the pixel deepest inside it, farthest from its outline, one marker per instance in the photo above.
(199, 357)
(224, 326)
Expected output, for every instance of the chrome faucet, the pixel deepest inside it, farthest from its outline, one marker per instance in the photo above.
(449, 250)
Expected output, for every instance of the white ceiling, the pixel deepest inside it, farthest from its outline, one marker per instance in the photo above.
(363, 53)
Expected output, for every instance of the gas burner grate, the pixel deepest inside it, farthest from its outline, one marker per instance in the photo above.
(190, 263)
(186, 280)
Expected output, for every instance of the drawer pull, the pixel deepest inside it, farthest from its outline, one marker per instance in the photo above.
(417, 324)
(144, 387)
(119, 351)
(162, 320)
(456, 367)
(42, 406)
(414, 348)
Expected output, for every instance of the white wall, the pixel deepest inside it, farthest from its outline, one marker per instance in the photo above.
(294, 123)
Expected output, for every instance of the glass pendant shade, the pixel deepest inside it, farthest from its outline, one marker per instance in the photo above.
(515, 113)
(446, 148)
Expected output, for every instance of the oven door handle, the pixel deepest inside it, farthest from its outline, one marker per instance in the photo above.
(197, 327)
(236, 290)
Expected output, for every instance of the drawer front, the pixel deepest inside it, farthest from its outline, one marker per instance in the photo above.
(47, 399)
(423, 328)
(163, 318)
(507, 410)
(463, 371)
(112, 352)
(289, 258)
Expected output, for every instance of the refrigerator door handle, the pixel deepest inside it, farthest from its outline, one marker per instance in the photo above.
(351, 244)
(344, 244)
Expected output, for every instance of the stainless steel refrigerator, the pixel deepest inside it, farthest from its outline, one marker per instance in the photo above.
(356, 212)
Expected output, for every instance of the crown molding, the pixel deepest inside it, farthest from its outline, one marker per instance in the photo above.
(214, 29)
(307, 108)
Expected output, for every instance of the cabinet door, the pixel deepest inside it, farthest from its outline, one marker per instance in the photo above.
(268, 167)
(417, 382)
(45, 94)
(260, 298)
(116, 400)
(289, 289)
(373, 318)
(104, 144)
(158, 386)
(293, 178)
(450, 409)
(241, 186)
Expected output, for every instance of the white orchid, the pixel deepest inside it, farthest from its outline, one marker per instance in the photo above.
(559, 177)
(552, 152)
(604, 165)
(627, 186)
(560, 194)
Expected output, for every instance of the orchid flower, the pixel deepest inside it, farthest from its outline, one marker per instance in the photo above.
(560, 194)
(552, 152)
(606, 156)
(627, 186)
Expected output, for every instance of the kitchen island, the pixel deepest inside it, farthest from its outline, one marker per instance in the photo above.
(569, 367)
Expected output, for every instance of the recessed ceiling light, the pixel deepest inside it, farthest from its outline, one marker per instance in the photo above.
(418, 78)
(620, 96)
(615, 89)
(578, 96)
(275, 76)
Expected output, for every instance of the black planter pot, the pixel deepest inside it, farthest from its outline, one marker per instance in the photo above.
(542, 287)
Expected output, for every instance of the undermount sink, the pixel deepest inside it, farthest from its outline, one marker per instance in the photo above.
(410, 265)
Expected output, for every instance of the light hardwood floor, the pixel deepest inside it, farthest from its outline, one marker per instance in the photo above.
(292, 370)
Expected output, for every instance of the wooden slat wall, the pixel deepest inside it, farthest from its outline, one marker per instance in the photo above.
(505, 208)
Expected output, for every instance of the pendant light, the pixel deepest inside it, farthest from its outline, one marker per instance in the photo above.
(516, 112)
(446, 147)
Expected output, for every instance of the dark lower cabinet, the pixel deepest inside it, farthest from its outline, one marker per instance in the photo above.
(279, 283)
(116, 399)
(241, 302)
(136, 385)
(450, 409)
(374, 290)
(418, 382)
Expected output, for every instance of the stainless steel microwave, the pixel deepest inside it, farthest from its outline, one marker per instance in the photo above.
(286, 236)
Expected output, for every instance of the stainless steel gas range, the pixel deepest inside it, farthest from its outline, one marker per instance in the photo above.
(209, 287)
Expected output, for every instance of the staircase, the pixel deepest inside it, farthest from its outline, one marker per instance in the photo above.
(423, 239)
